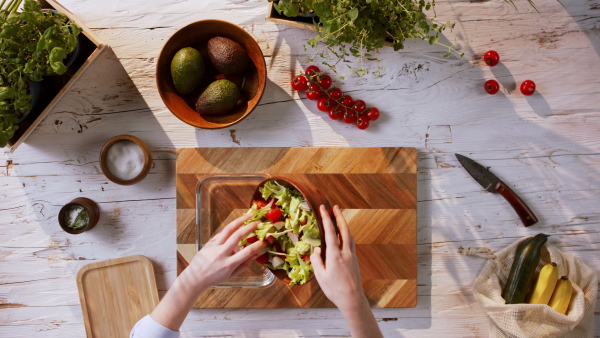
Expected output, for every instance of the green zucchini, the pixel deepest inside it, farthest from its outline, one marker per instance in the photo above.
(523, 268)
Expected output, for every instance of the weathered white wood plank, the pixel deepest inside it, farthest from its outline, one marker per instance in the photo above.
(545, 147)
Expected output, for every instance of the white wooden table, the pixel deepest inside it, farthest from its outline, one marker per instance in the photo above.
(546, 147)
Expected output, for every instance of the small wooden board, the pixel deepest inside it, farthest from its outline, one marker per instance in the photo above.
(375, 187)
(115, 294)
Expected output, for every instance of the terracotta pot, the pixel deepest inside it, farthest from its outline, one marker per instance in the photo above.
(90, 206)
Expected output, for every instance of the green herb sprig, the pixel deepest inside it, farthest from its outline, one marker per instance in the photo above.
(359, 28)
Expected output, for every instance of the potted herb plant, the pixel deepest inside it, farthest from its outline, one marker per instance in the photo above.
(360, 27)
(33, 43)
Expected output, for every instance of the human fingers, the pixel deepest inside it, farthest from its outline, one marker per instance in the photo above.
(242, 267)
(239, 234)
(232, 227)
(317, 262)
(247, 253)
(343, 228)
(330, 235)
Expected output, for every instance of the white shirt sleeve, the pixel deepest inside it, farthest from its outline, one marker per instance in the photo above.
(147, 327)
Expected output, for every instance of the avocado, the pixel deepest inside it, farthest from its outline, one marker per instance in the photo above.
(228, 56)
(187, 70)
(218, 98)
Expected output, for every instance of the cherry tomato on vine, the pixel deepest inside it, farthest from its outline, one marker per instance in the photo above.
(325, 104)
(362, 122)
(337, 112)
(300, 82)
(349, 117)
(347, 101)
(335, 93)
(359, 106)
(313, 92)
(372, 113)
(324, 81)
(491, 58)
(312, 71)
(491, 86)
(528, 87)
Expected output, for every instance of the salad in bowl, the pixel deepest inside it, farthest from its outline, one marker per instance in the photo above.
(290, 227)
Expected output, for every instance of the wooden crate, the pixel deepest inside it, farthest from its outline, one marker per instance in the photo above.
(94, 47)
(298, 22)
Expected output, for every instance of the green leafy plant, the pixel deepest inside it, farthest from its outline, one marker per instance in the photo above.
(359, 28)
(33, 43)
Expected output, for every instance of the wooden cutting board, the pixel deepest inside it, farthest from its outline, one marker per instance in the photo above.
(115, 294)
(375, 187)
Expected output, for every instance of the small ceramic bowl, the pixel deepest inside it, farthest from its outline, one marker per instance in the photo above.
(126, 138)
(314, 199)
(196, 35)
(90, 207)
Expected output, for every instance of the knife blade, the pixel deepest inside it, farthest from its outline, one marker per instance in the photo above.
(492, 183)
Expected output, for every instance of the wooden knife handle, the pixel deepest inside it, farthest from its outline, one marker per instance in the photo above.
(526, 215)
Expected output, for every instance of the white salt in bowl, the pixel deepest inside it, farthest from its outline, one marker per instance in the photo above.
(125, 159)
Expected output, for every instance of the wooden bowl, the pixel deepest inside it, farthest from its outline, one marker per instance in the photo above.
(90, 206)
(314, 198)
(147, 159)
(196, 35)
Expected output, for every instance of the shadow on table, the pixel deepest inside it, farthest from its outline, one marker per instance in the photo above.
(103, 103)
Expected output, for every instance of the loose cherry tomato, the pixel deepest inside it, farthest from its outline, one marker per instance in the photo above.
(335, 93)
(324, 81)
(349, 116)
(274, 215)
(491, 86)
(359, 106)
(362, 122)
(528, 87)
(313, 92)
(337, 112)
(263, 259)
(491, 58)
(300, 82)
(325, 104)
(312, 71)
(372, 113)
(347, 101)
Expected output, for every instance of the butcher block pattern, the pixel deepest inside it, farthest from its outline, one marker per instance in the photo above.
(375, 188)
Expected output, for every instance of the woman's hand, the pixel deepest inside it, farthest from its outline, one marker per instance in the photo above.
(339, 277)
(221, 258)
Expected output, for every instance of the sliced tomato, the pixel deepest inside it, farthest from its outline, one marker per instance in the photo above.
(274, 215)
(263, 259)
(270, 239)
(252, 239)
(306, 258)
(260, 203)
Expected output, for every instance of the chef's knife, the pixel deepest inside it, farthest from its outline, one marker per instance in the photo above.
(492, 183)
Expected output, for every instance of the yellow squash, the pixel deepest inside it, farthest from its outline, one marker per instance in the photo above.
(562, 295)
(544, 287)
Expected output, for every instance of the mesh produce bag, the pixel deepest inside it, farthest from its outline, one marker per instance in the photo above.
(535, 320)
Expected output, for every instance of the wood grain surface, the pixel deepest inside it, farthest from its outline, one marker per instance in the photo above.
(115, 294)
(545, 147)
(375, 188)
